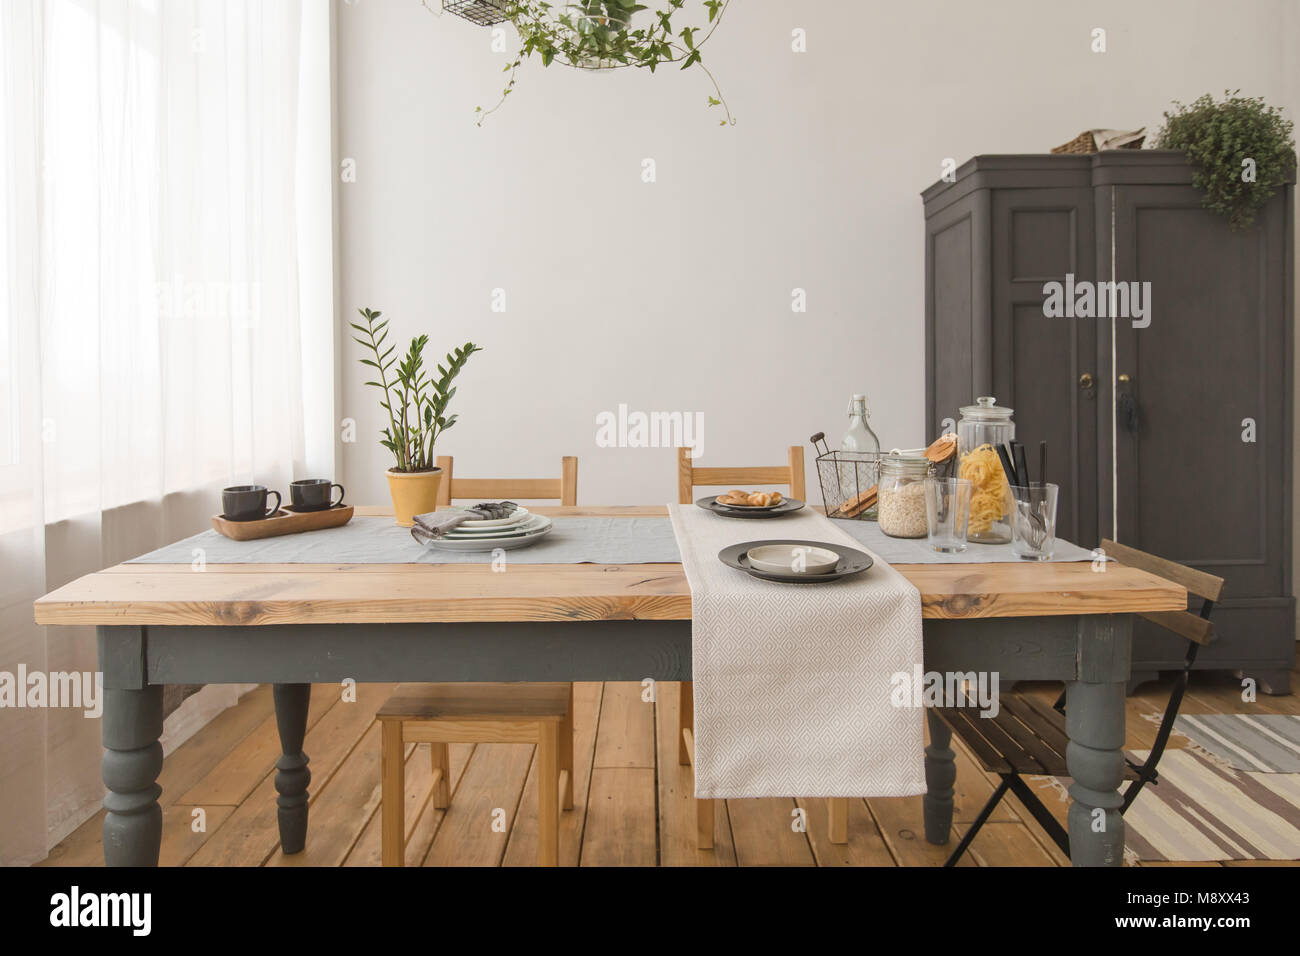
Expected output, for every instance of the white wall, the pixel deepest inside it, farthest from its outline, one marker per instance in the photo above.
(676, 295)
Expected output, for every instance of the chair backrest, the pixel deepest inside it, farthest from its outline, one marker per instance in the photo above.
(565, 488)
(1194, 627)
(790, 474)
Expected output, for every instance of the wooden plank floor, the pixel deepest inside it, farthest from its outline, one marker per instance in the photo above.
(633, 802)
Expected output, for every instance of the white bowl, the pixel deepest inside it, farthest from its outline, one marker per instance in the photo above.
(792, 559)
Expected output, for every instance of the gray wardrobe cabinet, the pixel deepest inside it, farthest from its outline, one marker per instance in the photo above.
(1175, 438)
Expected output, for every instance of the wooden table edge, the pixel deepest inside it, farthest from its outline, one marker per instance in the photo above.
(968, 596)
(1142, 592)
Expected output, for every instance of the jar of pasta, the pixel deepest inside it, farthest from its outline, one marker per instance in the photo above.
(983, 427)
(900, 509)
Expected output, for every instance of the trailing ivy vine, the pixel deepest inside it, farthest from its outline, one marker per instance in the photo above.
(609, 34)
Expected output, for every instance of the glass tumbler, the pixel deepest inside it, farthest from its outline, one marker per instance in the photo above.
(947, 510)
(1033, 523)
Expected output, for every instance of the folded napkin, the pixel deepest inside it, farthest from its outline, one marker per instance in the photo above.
(435, 524)
(794, 682)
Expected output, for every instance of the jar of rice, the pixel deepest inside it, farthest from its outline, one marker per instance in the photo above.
(901, 511)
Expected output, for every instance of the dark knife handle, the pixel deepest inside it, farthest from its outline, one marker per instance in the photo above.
(1022, 467)
(1007, 466)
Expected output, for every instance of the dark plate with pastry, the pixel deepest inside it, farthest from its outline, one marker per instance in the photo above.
(716, 504)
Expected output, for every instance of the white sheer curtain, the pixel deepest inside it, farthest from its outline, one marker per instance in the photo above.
(150, 318)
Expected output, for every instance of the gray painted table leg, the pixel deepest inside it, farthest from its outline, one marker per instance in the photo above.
(1094, 708)
(940, 778)
(292, 775)
(133, 757)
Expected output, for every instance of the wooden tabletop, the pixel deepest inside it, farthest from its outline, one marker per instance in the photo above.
(250, 594)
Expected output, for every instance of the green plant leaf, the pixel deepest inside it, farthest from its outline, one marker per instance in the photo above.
(1217, 137)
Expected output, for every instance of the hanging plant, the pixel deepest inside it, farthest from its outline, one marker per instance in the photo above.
(1241, 149)
(600, 35)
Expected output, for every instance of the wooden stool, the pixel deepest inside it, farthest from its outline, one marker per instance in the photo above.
(442, 714)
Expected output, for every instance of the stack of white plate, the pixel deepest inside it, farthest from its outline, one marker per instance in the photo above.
(487, 534)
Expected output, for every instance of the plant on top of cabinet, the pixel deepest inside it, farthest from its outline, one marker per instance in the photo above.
(1242, 149)
(599, 35)
(417, 411)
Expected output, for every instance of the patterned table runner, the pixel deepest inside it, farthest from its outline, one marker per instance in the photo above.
(793, 681)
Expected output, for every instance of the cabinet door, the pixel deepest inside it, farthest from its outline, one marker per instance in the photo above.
(1044, 367)
(1202, 476)
(958, 337)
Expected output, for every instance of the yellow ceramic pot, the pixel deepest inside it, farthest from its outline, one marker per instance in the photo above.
(414, 493)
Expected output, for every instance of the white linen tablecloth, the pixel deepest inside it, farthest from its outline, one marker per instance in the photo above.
(793, 681)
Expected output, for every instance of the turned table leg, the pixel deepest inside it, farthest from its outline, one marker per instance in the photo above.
(940, 778)
(292, 775)
(1094, 721)
(1095, 758)
(133, 757)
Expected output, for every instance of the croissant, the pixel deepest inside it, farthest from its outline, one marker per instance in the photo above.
(760, 499)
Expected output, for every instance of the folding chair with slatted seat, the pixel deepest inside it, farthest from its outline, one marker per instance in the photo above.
(1027, 737)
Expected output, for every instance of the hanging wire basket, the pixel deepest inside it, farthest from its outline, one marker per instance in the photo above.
(483, 12)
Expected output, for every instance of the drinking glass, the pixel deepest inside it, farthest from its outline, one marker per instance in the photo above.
(947, 511)
(1033, 524)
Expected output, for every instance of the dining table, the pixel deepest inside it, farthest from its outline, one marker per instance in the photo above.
(294, 625)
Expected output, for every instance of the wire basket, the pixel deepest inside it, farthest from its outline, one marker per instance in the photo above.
(483, 12)
(848, 480)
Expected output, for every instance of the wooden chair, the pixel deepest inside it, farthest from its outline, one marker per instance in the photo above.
(442, 714)
(1028, 737)
(689, 477)
(565, 488)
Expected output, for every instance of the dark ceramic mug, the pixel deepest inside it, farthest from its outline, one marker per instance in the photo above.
(247, 502)
(314, 494)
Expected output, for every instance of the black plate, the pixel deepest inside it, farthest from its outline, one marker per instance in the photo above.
(787, 506)
(851, 561)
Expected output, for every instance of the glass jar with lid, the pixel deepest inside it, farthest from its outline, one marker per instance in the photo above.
(986, 424)
(900, 507)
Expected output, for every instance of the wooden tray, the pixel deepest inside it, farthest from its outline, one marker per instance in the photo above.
(282, 522)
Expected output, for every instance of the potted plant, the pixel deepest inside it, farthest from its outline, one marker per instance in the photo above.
(1241, 150)
(417, 412)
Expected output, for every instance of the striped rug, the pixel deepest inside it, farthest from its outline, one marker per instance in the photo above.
(1264, 743)
(1202, 810)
